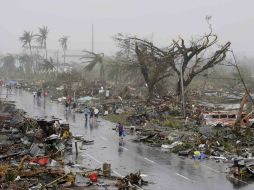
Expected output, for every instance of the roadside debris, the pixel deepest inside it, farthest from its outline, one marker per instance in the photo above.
(206, 133)
(33, 155)
(130, 181)
(242, 169)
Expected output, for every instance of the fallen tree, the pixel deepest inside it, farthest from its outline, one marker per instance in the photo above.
(188, 59)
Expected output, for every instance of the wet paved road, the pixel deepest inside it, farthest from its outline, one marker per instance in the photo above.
(165, 170)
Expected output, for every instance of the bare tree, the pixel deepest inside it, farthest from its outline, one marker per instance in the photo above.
(191, 58)
(197, 56)
(154, 63)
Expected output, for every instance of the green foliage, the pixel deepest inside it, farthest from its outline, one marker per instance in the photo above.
(183, 147)
(10, 175)
(122, 118)
(69, 76)
(26, 39)
(167, 121)
(170, 123)
(227, 145)
(42, 36)
(51, 84)
(8, 64)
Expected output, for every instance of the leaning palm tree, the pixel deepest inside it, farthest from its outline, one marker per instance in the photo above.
(47, 66)
(93, 59)
(42, 38)
(120, 69)
(63, 43)
(26, 40)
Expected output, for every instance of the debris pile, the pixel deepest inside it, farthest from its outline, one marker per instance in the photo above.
(220, 143)
(130, 181)
(31, 150)
(33, 154)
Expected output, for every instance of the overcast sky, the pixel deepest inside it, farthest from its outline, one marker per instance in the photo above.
(162, 20)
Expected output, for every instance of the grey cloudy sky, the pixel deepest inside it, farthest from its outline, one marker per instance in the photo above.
(233, 20)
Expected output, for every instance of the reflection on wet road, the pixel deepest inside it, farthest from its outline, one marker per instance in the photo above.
(165, 170)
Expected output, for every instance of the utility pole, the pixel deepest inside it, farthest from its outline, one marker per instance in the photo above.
(57, 63)
(57, 57)
(92, 39)
(57, 60)
(183, 97)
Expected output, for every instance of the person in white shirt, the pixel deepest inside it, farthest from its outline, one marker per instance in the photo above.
(96, 113)
(34, 94)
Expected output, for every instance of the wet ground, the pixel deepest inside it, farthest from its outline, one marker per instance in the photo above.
(163, 169)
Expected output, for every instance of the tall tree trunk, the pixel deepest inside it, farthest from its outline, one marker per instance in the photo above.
(64, 56)
(116, 78)
(30, 49)
(237, 123)
(178, 88)
(151, 93)
(185, 84)
(31, 55)
(46, 52)
(102, 73)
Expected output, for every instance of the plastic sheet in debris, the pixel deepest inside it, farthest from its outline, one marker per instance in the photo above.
(174, 144)
(78, 137)
(86, 99)
(218, 157)
(53, 137)
(60, 146)
(35, 150)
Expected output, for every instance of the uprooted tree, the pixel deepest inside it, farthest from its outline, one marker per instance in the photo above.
(152, 61)
(191, 58)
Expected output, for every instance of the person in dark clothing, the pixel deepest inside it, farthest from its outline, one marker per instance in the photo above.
(91, 112)
(120, 130)
(39, 93)
(74, 106)
(66, 106)
(86, 112)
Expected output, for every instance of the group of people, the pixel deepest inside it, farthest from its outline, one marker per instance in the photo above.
(70, 104)
(38, 93)
(91, 113)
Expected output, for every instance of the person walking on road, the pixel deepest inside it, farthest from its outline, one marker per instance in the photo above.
(38, 93)
(120, 130)
(92, 116)
(34, 94)
(96, 113)
(66, 106)
(86, 113)
(74, 106)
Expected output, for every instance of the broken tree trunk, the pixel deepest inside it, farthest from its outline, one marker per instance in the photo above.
(237, 123)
